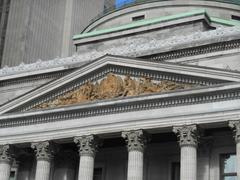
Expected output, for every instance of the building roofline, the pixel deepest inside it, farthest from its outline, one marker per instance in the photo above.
(152, 21)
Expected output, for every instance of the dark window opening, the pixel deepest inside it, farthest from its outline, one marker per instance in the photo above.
(175, 171)
(228, 167)
(236, 17)
(138, 18)
(12, 175)
(98, 173)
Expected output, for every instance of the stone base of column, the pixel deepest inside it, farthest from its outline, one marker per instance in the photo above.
(86, 168)
(135, 165)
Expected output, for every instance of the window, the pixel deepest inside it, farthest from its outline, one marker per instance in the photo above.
(228, 167)
(236, 18)
(138, 18)
(175, 171)
(98, 173)
(12, 175)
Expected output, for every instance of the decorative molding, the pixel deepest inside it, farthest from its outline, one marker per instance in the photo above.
(136, 140)
(194, 51)
(235, 126)
(113, 86)
(6, 154)
(123, 105)
(44, 150)
(101, 73)
(187, 135)
(29, 79)
(88, 145)
(129, 49)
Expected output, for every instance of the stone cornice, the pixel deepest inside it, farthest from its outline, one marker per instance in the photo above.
(199, 38)
(122, 66)
(138, 103)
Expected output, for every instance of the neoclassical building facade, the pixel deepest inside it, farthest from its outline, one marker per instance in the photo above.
(152, 92)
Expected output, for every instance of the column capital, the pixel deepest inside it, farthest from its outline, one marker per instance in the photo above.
(44, 150)
(6, 153)
(136, 140)
(187, 135)
(88, 145)
(235, 126)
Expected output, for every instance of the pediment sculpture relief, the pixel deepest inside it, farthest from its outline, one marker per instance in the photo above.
(113, 86)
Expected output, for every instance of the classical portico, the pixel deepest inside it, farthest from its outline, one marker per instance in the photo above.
(125, 119)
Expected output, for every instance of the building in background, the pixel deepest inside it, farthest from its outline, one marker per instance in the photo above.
(123, 90)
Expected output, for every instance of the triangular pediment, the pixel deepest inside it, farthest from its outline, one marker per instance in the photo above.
(114, 77)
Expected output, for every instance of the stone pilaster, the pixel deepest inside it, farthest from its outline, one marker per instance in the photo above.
(235, 126)
(44, 154)
(188, 141)
(88, 146)
(136, 141)
(5, 161)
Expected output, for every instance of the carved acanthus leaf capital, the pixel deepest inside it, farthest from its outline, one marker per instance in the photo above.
(136, 140)
(235, 126)
(187, 135)
(6, 153)
(44, 150)
(88, 145)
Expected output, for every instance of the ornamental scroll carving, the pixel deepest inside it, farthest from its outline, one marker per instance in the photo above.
(136, 140)
(187, 135)
(44, 150)
(235, 126)
(6, 152)
(113, 86)
(88, 145)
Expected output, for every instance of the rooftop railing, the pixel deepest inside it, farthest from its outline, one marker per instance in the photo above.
(127, 3)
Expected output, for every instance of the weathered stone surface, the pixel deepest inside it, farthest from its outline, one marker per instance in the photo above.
(113, 86)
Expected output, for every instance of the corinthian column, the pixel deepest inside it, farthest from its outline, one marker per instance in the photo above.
(87, 149)
(44, 154)
(235, 126)
(5, 162)
(188, 143)
(136, 141)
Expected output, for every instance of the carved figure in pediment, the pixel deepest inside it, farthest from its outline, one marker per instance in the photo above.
(110, 87)
(84, 94)
(113, 86)
(130, 86)
(146, 86)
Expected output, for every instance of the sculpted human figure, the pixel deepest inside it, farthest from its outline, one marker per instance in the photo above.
(110, 87)
(130, 86)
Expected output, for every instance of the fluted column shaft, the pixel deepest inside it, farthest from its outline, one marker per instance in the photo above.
(88, 146)
(235, 125)
(188, 143)
(136, 141)
(44, 154)
(5, 162)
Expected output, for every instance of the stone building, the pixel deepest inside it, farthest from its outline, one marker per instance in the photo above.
(151, 90)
